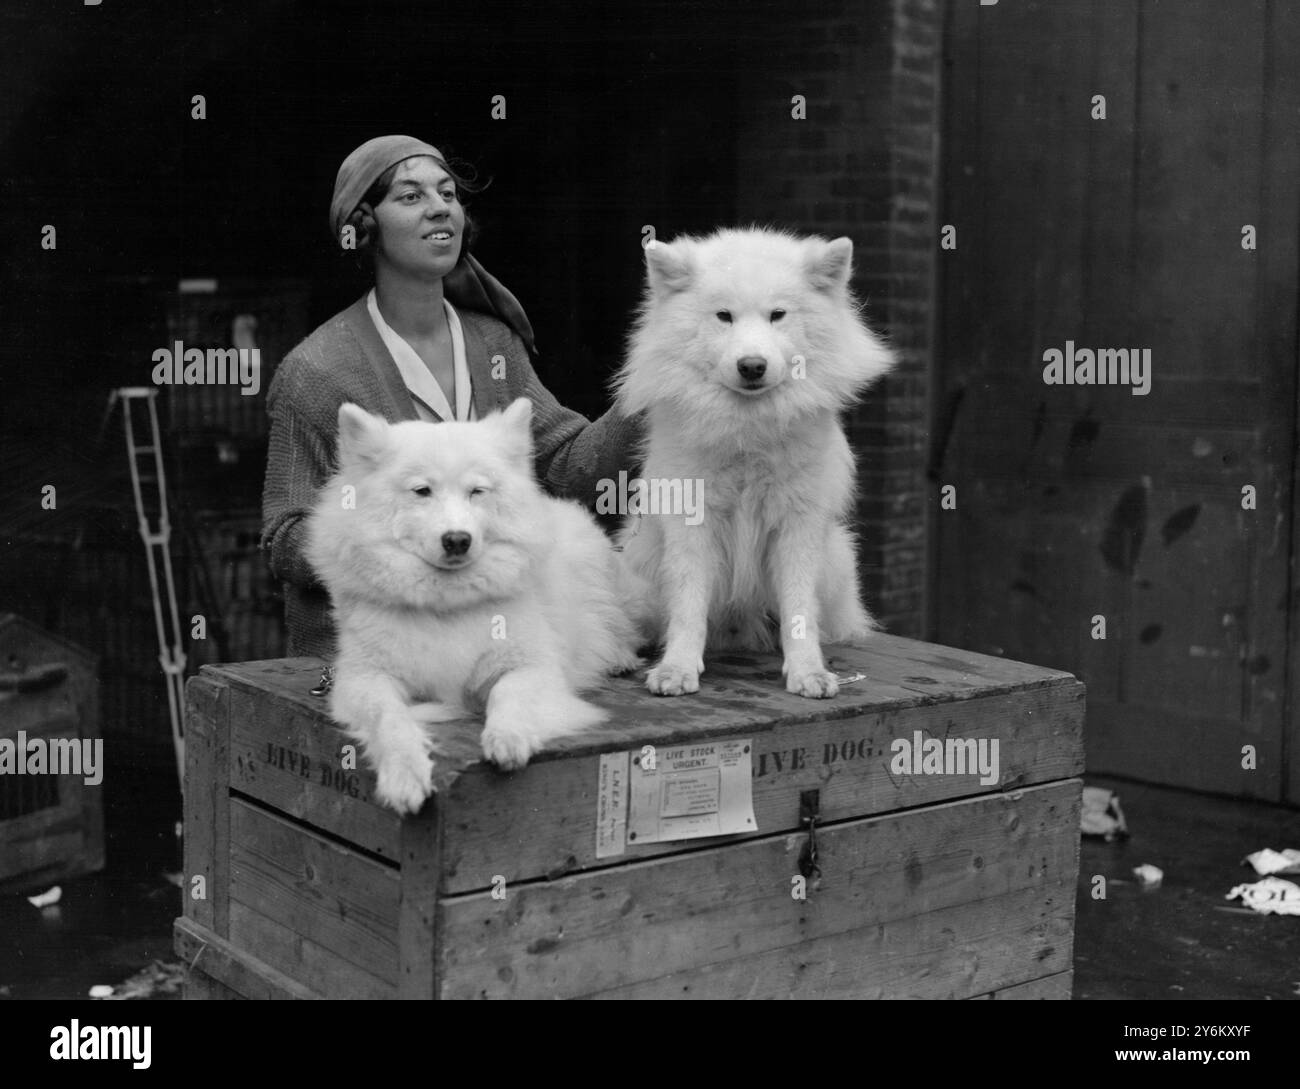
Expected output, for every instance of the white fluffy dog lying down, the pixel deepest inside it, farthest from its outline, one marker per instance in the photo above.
(459, 587)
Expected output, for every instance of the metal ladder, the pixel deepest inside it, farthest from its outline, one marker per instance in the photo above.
(149, 509)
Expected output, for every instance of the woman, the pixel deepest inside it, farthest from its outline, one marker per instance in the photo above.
(436, 338)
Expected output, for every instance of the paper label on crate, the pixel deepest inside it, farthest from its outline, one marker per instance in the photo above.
(611, 804)
(685, 792)
(689, 791)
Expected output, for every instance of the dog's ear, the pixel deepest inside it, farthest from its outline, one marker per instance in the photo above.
(517, 431)
(829, 263)
(362, 437)
(669, 267)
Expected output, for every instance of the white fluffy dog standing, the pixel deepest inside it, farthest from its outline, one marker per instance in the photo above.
(747, 348)
(459, 586)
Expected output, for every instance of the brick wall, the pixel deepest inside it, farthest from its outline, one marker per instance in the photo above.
(863, 164)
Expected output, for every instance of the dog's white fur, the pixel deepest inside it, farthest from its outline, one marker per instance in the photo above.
(776, 469)
(533, 616)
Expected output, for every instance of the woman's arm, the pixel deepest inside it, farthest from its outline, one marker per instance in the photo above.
(577, 463)
(299, 461)
(573, 453)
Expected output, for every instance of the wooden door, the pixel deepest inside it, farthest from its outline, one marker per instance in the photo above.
(1084, 501)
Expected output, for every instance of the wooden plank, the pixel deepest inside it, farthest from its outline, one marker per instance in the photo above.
(300, 958)
(1224, 402)
(200, 987)
(638, 718)
(1112, 152)
(417, 922)
(1174, 629)
(1198, 301)
(1199, 157)
(612, 928)
(1061, 459)
(1033, 94)
(207, 954)
(290, 756)
(1278, 615)
(951, 953)
(207, 802)
(543, 822)
(1058, 986)
(344, 901)
(1146, 737)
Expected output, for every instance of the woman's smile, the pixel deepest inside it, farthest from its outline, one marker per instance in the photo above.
(420, 221)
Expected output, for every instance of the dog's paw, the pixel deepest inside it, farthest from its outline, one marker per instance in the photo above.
(667, 679)
(813, 684)
(405, 779)
(508, 749)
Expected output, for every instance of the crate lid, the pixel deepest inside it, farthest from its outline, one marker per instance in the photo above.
(739, 694)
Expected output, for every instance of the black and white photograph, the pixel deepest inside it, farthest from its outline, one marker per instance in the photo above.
(714, 499)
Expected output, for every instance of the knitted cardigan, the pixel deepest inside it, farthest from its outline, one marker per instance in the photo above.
(346, 360)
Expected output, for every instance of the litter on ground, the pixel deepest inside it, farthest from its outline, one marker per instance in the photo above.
(1102, 815)
(1272, 896)
(1269, 861)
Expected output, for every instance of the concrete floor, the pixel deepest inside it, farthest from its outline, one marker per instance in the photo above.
(109, 925)
(1182, 940)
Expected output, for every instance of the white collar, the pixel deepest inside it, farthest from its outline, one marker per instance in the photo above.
(428, 397)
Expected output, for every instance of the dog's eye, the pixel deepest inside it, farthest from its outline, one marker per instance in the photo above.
(724, 315)
(476, 492)
(423, 491)
(777, 315)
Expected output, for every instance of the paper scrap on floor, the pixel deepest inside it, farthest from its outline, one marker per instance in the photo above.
(1101, 814)
(48, 898)
(1269, 861)
(1272, 896)
(158, 978)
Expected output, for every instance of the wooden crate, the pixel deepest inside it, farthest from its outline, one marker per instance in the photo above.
(931, 885)
(51, 826)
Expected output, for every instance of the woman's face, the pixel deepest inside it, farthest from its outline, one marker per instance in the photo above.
(420, 222)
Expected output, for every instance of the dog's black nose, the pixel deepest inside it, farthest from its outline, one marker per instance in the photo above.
(751, 367)
(455, 543)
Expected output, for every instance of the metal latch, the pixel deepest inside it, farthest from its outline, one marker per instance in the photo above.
(809, 811)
